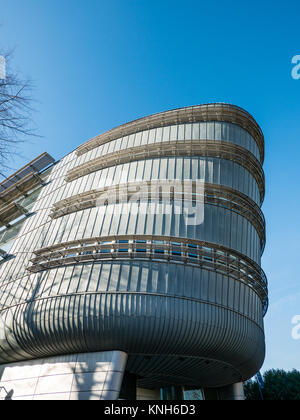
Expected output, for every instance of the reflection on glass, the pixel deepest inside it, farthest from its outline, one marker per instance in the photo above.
(192, 394)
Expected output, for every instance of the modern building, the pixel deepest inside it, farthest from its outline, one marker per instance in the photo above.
(131, 267)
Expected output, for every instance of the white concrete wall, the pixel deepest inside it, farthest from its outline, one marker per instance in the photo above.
(85, 376)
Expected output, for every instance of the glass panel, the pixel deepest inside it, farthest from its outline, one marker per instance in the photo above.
(193, 395)
(171, 393)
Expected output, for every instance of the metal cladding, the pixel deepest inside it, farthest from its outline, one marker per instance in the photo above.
(113, 256)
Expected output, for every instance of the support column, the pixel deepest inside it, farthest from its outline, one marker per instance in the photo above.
(234, 392)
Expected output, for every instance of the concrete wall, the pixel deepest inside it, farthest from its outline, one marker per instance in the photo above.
(85, 376)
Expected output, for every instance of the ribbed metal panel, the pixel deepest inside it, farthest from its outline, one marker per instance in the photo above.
(181, 323)
(209, 112)
(212, 149)
(211, 130)
(142, 324)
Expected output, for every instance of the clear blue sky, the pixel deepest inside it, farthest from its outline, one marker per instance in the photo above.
(97, 64)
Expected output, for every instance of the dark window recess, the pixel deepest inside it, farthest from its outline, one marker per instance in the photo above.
(176, 253)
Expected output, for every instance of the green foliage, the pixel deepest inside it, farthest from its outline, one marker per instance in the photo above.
(279, 385)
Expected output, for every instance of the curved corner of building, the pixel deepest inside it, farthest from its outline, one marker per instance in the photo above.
(140, 254)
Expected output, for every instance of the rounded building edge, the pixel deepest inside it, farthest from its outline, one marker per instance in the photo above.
(196, 113)
(202, 345)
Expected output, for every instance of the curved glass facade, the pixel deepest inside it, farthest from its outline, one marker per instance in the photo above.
(184, 298)
(194, 131)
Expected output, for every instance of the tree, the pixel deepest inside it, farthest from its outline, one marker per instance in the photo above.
(279, 385)
(15, 110)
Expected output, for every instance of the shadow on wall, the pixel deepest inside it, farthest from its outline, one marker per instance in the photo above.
(5, 394)
(86, 376)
